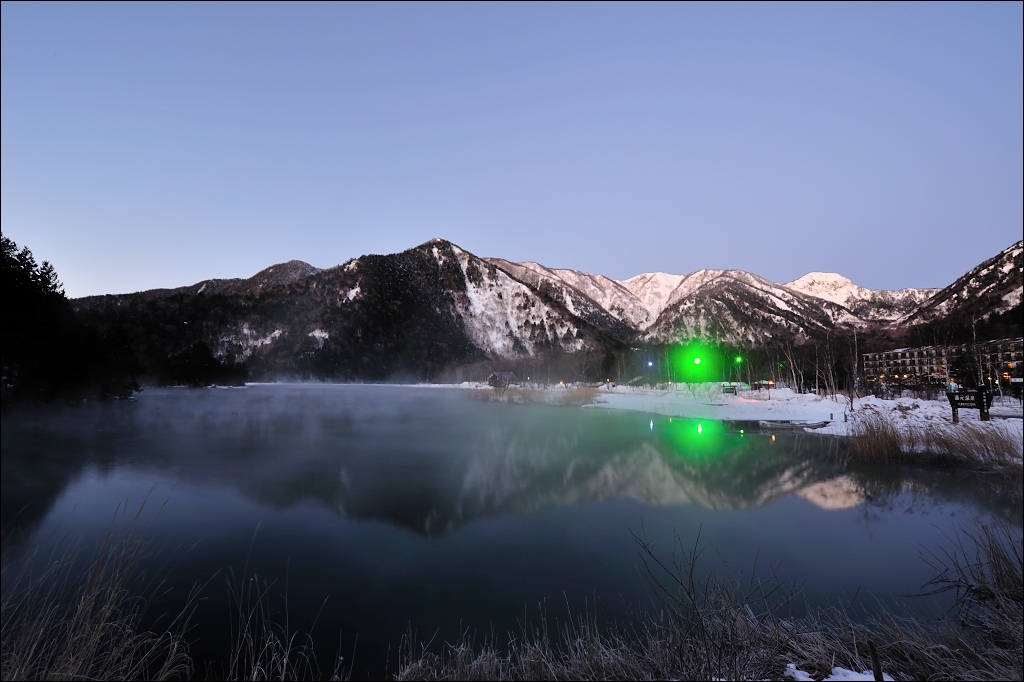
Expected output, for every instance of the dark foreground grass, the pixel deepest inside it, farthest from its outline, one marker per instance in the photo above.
(74, 614)
(713, 628)
(58, 624)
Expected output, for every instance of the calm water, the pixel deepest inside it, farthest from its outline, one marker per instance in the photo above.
(425, 507)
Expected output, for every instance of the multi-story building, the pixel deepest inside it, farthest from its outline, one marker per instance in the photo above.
(999, 361)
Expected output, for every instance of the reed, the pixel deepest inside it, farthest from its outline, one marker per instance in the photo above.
(874, 437)
(715, 628)
(263, 644)
(541, 396)
(74, 614)
(62, 622)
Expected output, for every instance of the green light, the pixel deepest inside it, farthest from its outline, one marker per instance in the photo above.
(739, 359)
(700, 428)
(695, 361)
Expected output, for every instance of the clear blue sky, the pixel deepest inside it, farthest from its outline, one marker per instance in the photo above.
(158, 145)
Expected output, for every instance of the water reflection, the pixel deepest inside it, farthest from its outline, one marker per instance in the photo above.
(431, 460)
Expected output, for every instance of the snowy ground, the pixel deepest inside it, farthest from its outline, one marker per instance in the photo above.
(706, 401)
(838, 675)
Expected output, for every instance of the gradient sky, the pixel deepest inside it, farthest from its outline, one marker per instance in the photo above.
(158, 145)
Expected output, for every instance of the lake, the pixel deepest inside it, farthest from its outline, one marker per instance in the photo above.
(439, 510)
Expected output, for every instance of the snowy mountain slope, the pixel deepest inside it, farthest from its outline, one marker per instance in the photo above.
(591, 297)
(416, 313)
(503, 316)
(739, 307)
(992, 288)
(410, 314)
(723, 304)
(867, 304)
(475, 301)
(653, 289)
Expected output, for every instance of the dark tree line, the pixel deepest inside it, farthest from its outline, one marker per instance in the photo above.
(47, 352)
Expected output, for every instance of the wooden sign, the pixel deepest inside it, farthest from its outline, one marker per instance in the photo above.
(980, 400)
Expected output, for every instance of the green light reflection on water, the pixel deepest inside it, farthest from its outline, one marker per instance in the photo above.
(699, 439)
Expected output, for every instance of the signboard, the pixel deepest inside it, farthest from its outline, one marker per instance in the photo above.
(1016, 380)
(970, 400)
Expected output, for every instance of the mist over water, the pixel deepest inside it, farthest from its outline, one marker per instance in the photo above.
(434, 509)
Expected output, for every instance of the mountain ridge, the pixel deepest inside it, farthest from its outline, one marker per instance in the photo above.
(437, 305)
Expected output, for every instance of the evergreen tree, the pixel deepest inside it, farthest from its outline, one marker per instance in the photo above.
(46, 351)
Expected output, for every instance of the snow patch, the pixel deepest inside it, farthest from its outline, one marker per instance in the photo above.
(245, 341)
(838, 675)
(319, 335)
(1012, 299)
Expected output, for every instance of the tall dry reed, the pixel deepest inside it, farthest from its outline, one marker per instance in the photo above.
(540, 396)
(874, 437)
(263, 644)
(76, 614)
(709, 627)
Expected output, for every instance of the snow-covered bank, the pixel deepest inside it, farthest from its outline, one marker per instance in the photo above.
(707, 401)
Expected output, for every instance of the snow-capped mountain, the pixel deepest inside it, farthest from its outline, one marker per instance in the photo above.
(435, 306)
(992, 288)
(716, 303)
(592, 297)
(867, 304)
(737, 306)
(654, 290)
(410, 314)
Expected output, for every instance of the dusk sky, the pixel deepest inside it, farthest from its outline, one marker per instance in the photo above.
(158, 145)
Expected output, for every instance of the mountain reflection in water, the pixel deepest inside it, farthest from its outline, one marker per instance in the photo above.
(431, 459)
(436, 510)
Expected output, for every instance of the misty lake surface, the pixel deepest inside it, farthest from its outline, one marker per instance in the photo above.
(440, 510)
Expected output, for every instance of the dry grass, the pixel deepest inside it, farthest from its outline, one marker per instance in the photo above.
(980, 640)
(63, 620)
(79, 615)
(540, 396)
(63, 623)
(264, 647)
(995, 445)
(706, 626)
(874, 437)
(713, 628)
